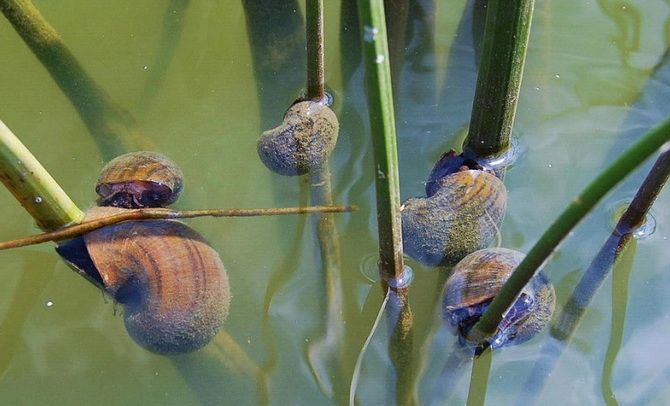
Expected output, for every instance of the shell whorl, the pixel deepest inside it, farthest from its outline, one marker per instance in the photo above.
(172, 284)
(463, 216)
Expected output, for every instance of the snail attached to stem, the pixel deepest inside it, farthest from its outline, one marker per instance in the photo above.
(462, 212)
(171, 282)
(302, 142)
(475, 281)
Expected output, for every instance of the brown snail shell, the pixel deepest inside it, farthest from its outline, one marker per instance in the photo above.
(171, 282)
(475, 281)
(304, 140)
(139, 179)
(462, 216)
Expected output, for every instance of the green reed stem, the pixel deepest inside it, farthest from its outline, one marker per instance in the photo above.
(575, 212)
(112, 127)
(32, 185)
(499, 80)
(382, 125)
(315, 58)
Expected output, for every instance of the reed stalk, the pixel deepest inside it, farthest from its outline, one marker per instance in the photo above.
(575, 212)
(503, 55)
(382, 125)
(315, 57)
(33, 186)
(113, 129)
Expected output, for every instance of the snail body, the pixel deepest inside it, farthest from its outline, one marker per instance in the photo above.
(475, 281)
(172, 284)
(462, 215)
(139, 179)
(303, 141)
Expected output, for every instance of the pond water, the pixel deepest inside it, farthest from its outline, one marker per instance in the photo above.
(594, 82)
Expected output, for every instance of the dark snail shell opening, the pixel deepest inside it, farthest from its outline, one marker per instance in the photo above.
(135, 194)
(450, 163)
(74, 252)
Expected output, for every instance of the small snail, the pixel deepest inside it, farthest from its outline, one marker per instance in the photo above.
(477, 278)
(139, 179)
(462, 215)
(304, 140)
(171, 282)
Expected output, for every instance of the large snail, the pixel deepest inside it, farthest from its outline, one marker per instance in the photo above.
(474, 282)
(139, 179)
(303, 141)
(461, 214)
(171, 282)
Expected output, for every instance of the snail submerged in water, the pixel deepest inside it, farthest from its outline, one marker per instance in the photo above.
(172, 284)
(304, 140)
(475, 281)
(462, 213)
(139, 179)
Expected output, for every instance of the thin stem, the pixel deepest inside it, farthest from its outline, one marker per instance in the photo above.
(555, 234)
(382, 125)
(328, 350)
(151, 213)
(315, 57)
(112, 127)
(32, 185)
(499, 79)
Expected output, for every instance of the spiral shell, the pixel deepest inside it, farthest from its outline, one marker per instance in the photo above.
(475, 281)
(139, 179)
(303, 141)
(171, 282)
(462, 216)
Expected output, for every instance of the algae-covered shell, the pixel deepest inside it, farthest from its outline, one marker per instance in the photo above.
(171, 282)
(304, 140)
(475, 281)
(461, 217)
(139, 179)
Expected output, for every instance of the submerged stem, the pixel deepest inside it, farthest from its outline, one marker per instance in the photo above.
(112, 127)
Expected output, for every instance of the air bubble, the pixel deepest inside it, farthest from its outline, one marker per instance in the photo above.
(38, 200)
(49, 303)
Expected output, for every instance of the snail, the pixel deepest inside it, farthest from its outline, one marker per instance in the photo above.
(303, 141)
(461, 215)
(139, 179)
(172, 284)
(477, 278)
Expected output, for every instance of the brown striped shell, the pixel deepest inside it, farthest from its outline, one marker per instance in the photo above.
(479, 276)
(475, 281)
(304, 140)
(463, 216)
(139, 179)
(171, 282)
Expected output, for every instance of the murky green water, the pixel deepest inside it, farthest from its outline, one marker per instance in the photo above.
(588, 63)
